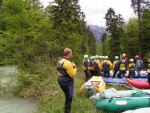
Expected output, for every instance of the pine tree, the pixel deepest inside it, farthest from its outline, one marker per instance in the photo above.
(139, 6)
(115, 26)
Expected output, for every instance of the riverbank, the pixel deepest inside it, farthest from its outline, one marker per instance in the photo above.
(9, 102)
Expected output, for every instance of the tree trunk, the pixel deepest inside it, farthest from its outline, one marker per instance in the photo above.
(139, 27)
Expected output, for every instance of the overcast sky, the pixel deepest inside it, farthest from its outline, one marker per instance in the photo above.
(95, 10)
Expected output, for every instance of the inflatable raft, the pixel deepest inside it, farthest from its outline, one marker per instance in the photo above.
(143, 74)
(137, 84)
(109, 93)
(121, 80)
(140, 110)
(93, 85)
(123, 104)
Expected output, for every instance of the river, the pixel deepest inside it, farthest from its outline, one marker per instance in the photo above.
(8, 102)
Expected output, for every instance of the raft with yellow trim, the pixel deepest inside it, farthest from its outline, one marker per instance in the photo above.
(94, 85)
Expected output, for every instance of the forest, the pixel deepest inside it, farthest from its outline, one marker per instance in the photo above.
(31, 34)
(33, 37)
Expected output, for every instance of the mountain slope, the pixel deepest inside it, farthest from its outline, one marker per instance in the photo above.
(97, 32)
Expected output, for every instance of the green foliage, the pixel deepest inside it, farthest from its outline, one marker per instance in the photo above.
(130, 39)
(106, 46)
(71, 29)
(145, 32)
(39, 85)
(115, 26)
(91, 43)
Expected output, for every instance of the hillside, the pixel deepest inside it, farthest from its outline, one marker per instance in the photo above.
(97, 32)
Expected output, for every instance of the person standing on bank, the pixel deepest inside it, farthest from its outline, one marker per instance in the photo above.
(148, 69)
(85, 67)
(68, 70)
(139, 65)
(116, 65)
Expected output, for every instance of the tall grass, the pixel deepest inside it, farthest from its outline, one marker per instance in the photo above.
(54, 101)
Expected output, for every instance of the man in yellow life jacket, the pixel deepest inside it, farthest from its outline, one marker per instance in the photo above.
(131, 68)
(85, 67)
(116, 64)
(106, 66)
(122, 67)
(96, 66)
(90, 67)
(67, 70)
(101, 59)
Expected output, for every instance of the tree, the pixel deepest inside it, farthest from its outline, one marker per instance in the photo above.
(130, 38)
(69, 25)
(145, 32)
(104, 36)
(1, 1)
(115, 26)
(26, 32)
(139, 6)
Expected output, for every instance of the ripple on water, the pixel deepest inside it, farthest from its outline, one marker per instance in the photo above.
(17, 105)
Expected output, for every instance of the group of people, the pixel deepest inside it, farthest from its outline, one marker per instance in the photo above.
(101, 66)
(94, 65)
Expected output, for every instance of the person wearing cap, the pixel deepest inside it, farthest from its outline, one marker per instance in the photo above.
(116, 64)
(96, 66)
(67, 70)
(131, 68)
(106, 66)
(85, 67)
(139, 64)
(148, 69)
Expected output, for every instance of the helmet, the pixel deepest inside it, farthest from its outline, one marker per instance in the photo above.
(85, 56)
(106, 57)
(131, 60)
(96, 56)
(137, 56)
(116, 57)
(92, 57)
(100, 57)
(103, 57)
(123, 55)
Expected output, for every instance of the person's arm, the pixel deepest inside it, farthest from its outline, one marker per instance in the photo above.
(114, 63)
(70, 69)
(110, 65)
(99, 65)
(128, 68)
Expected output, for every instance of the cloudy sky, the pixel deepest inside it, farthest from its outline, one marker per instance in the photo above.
(95, 10)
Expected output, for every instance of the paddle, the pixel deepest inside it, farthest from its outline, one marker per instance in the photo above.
(134, 88)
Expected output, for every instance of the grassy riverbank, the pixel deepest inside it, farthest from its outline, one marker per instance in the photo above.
(45, 89)
(54, 102)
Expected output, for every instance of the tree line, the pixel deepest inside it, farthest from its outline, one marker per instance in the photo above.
(130, 37)
(33, 37)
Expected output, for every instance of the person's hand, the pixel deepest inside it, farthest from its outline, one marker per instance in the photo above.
(74, 66)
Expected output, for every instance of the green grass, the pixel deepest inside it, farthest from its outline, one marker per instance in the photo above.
(54, 101)
(46, 89)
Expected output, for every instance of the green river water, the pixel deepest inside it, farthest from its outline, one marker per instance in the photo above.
(8, 102)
